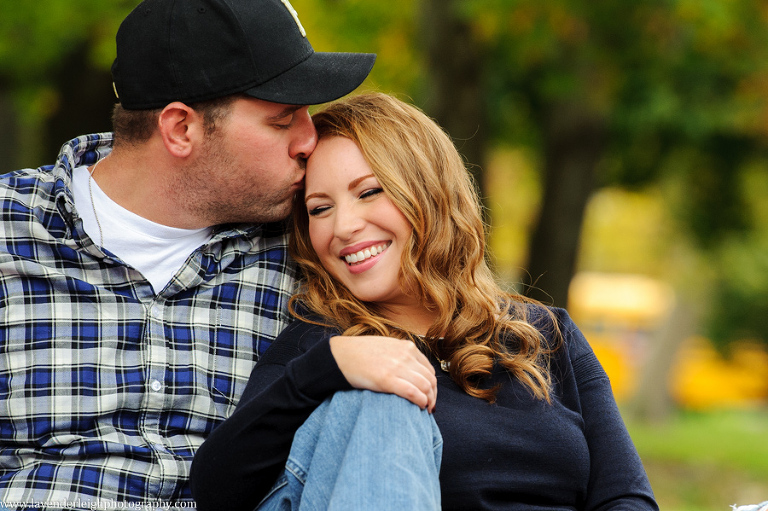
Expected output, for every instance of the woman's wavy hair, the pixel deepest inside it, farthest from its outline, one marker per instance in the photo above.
(444, 263)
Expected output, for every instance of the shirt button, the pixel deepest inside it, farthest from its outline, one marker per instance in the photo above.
(157, 312)
(156, 386)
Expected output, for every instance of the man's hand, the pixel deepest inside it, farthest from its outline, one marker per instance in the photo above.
(385, 364)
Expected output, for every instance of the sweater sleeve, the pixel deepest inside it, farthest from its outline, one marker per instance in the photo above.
(240, 461)
(617, 478)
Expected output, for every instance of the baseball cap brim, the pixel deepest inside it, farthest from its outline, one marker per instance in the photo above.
(320, 78)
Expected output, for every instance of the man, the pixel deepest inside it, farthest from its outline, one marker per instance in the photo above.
(140, 281)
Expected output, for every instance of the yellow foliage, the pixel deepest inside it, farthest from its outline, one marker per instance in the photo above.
(702, 378)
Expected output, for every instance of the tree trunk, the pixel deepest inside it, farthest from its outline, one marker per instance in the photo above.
(652, 401)
(454, 81)
(574, 144)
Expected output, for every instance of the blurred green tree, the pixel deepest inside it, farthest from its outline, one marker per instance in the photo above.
(613, 93)
(54, 74)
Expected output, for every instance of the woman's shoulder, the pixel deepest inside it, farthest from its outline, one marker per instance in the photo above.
(537, 312)
(545, 319)
(553, 323)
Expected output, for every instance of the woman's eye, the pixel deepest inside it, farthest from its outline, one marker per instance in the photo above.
(318, 210)
(370, 193)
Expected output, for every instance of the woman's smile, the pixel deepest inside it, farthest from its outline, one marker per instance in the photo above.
(364, 255)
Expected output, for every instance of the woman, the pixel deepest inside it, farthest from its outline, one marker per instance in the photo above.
(391, 243)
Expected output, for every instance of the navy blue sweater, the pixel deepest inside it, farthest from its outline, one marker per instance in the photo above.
(519, 453)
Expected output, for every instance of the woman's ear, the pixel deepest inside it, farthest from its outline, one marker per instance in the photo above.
(181, 128)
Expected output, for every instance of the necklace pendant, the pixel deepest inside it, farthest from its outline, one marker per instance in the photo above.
(445, 365)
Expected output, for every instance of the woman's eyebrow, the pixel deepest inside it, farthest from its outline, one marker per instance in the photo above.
(351, 186)
(313, 195)
(359, 180)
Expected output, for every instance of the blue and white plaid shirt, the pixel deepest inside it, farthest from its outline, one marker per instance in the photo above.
(106, 389)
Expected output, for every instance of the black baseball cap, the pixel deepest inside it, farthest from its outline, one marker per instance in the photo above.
(195, 50)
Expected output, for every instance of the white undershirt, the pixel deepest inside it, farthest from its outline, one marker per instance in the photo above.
(155, 250)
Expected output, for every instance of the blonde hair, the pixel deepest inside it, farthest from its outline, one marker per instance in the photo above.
(423, 174)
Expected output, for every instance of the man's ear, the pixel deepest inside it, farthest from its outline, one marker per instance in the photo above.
(181, 128)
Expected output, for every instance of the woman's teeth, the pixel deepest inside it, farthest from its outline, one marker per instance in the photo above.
(361, 256)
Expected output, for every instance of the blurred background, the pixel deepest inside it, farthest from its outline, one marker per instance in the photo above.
(622, 152)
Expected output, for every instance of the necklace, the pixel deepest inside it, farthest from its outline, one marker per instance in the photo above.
(445, 365)
(93, 204)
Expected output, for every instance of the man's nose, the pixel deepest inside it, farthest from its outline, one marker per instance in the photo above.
(305, 138)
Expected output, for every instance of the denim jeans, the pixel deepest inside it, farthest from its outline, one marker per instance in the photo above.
(362, 450)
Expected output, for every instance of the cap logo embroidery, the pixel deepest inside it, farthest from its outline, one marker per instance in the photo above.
(295, 15)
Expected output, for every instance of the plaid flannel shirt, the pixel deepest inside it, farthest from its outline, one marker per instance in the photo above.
(106, 389)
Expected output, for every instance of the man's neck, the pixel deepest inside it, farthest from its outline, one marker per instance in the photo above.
(140, 180)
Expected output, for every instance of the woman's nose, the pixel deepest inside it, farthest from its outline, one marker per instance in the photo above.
(347, 222)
